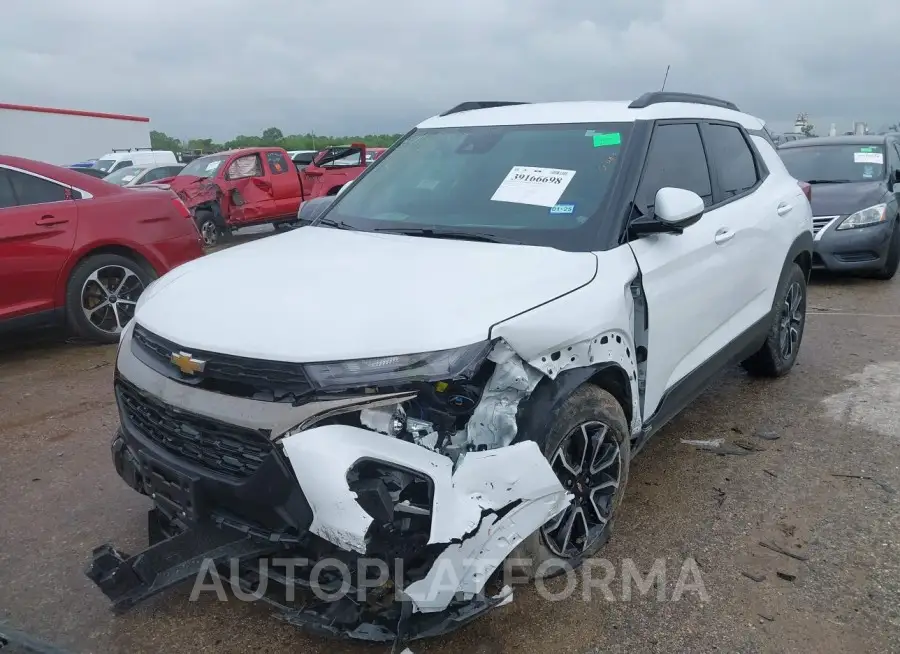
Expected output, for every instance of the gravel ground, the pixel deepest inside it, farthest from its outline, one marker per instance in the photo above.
(820, 480)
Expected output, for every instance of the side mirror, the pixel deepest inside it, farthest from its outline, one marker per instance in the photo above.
(678, 207)
(897, 176)
(674, 209)
(344, 187)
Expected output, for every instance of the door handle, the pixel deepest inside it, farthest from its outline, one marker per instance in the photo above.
(49, 219)
(724, 235)
(783, 208)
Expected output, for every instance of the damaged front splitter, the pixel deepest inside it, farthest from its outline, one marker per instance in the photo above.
(227, 556)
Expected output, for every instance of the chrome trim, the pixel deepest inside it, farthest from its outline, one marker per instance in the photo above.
(274, 417)
(821, 224)
(348, 405)
(85, 195)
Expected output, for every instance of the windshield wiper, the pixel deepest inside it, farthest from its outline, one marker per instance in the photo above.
(829, 181)
(440, 233)
(336, 224)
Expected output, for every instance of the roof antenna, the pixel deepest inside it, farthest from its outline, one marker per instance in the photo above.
(665, 79)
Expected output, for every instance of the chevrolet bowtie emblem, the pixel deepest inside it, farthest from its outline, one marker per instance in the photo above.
(187, 364)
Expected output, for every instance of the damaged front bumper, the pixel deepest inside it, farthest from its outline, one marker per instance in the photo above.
(334, 500)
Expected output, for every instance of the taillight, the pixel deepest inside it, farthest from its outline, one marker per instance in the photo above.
(807, 190)
(181, 208)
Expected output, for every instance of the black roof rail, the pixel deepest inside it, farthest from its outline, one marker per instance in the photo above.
(471, 106)
(658, 97)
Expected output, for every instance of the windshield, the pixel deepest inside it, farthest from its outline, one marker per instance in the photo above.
(204, 166)
(123, 175)
(104, 164)
(835, 162)
(532, 184)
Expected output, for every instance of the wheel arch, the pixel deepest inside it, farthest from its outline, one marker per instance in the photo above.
(800, 252)
(107, 248)
(542, 407)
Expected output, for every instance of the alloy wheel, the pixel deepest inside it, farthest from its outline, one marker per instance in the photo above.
(588, 463)
(109, 297)
(791, 321)
(210, 233)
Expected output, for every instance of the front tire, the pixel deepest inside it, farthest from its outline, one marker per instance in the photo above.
(893, 257)
(102, 295)
(777, 355)
(589, 448)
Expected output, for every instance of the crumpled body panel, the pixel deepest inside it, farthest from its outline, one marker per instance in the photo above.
(492, 501)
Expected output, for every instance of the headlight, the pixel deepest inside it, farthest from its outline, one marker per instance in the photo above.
(866, 217)
(428, 366)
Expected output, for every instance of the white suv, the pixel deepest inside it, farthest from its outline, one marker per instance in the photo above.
(455, 363)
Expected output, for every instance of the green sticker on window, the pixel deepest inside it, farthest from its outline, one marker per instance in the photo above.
(613, 138)
(867, 149)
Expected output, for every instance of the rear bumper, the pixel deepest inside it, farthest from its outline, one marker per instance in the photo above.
(863, 249)
(173, 252)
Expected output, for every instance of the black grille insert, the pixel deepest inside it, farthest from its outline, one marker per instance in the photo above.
(258, 379)
(214, 445)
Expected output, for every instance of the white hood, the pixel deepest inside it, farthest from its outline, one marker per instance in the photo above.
(321, 294)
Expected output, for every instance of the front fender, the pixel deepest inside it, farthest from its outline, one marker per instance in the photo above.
(577, 336)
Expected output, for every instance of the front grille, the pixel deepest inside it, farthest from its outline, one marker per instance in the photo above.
(214, 445)
(819, 223)
(258, 379)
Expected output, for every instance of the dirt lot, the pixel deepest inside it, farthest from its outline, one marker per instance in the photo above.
(824, 485)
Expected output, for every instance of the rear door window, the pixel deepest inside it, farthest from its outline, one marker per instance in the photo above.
(34, 190)
(7, 198)
(676, 159)
(277, 163)
(733, 159)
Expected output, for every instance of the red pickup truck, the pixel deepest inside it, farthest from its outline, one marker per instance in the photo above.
(253, 186)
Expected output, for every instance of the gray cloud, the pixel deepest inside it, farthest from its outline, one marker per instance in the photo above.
(219, 67)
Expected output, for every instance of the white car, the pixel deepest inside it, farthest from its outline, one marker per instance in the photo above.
(476, 338)
(147, 174)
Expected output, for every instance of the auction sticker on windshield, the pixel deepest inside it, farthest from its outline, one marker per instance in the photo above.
(541, 187)
(868, 157)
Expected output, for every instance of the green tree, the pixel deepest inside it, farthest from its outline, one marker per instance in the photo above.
(809, 129)
(162, 141)
(272, 135)
(206, 145)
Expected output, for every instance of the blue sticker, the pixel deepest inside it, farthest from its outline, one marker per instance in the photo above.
(562, 208)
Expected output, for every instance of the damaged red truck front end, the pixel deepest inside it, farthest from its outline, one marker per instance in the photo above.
(239, 188)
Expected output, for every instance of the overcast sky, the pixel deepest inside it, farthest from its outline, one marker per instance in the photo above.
(216, 68)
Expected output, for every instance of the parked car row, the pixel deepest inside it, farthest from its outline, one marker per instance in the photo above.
(240, 188)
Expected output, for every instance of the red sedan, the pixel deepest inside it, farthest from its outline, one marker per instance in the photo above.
(78, 251)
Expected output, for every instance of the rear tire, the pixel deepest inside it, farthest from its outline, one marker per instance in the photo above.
(893, 257)
(777, 355)
(594, 417)
(102, 294)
